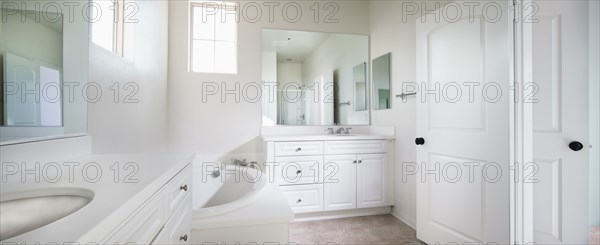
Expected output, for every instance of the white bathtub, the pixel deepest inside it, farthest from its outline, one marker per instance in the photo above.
(236, 187)
(240, 206)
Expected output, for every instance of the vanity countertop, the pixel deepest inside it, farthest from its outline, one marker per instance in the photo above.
(123, 184)
(328, 137)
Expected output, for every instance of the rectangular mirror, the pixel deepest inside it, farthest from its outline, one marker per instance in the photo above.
(314, 78)
(35, 68)
(381, 82)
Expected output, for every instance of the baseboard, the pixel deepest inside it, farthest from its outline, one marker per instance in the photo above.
(412, 225)
(342, 213)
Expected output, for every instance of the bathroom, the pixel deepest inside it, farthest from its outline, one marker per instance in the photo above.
(316, 122)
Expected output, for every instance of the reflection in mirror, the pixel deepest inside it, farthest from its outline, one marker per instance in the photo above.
(381, 82)
(313, 78)
(360, 87)
(31, 49)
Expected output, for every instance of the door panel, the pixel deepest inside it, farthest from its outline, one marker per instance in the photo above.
(340, 182)
(463, 69)
(560, 115)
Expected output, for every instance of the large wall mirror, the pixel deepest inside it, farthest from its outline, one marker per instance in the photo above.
(314, 78)
(381, 82)
(36, 67)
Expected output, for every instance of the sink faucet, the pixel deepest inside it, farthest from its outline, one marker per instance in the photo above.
(343, 130)
(329, 130)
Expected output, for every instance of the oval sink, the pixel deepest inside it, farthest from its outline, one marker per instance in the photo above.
(28, 211)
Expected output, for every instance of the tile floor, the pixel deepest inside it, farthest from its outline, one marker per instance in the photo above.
(378, 229)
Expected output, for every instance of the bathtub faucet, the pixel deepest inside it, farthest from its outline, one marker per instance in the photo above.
(239, 162)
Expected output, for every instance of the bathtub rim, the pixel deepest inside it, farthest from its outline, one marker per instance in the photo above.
(246, 200)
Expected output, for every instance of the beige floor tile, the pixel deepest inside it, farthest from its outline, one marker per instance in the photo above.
(378, 229)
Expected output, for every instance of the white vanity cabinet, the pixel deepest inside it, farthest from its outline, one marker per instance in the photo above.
(165, 218)
(361, 180)
(333, 175)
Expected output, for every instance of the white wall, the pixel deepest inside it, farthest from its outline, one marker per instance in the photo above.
(133, 127)
(390, 34)
(289, 73)
(214, 127)
(269, 76)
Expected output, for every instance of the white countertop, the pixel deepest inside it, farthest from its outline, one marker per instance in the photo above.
(317, 137)
(114, 199)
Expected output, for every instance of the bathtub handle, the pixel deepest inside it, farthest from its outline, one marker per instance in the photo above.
(299, 201)
(184, 188)
(184, 238)
(299, 149)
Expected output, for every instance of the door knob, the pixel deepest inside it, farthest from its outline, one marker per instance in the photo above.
(576, 146)
(419, 141)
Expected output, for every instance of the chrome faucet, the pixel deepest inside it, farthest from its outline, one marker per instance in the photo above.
(343, 130)
(329, 130)
(239, 162)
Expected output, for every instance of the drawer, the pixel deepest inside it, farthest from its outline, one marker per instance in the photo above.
(144, 224)
(300, 148)
(304, 198)
(178, 188)
(299, 170)
(178, 228)
(355, 147)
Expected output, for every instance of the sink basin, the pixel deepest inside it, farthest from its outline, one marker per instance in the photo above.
(26, 211)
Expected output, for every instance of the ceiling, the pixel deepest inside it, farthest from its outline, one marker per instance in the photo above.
(292, 46)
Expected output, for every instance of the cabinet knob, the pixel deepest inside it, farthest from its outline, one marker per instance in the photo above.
(299, 201)
(299, 149)
(354, 161)
(576, 146)
(184, 188)
(359, 161)
(298, 172)
(183, 238)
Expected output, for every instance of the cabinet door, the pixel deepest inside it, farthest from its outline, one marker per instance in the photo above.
(371, 180)
(340, 182)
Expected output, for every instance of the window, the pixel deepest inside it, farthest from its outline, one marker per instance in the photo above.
(113, 26)
(213, 42)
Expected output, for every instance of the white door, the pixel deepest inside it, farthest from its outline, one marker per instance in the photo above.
(462, 188)
(22, 101)
(560, 116)
(340, 182)
(371, 180)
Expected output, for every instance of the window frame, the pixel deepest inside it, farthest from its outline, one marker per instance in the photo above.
(191, 39)
(123, 30)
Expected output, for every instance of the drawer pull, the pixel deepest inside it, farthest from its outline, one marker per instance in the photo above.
(299, 201)
(183, 238)
(298, 172)
(354, 161)
(184, 188)
(359, 161)
(299, 149)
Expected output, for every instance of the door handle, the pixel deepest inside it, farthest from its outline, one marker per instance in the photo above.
(576, 146)
(419, 141)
